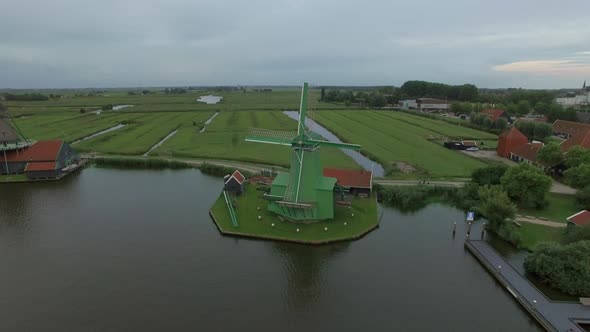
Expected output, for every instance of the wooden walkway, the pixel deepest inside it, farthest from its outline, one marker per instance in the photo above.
(553, 316)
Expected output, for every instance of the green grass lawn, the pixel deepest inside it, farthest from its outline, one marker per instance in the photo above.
(384, 135)
(224, 139)
(13, 178)
(532, 234)
(560, 207)
(142, 133)
(364, 210)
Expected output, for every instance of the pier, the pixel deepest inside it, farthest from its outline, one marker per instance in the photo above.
(553, 316)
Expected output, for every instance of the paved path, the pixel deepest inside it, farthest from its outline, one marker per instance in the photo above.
(537, 221)
(553, 316)
(560, 188)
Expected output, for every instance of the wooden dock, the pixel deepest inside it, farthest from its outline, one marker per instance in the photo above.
(553, 316)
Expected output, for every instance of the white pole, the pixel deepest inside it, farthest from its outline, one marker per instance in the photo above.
(6, 162)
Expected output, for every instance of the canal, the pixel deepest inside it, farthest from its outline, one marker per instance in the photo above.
(135, 250)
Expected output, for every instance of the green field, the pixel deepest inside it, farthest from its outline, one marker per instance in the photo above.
(560, 206)
(224, 139)
(391, 137)
(533, 234)
(364, 210)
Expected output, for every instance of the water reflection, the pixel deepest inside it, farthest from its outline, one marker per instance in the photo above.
(304, 271)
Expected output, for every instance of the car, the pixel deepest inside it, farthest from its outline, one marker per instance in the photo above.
(473, 148)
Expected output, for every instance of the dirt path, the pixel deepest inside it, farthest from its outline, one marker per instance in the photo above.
(537, 221)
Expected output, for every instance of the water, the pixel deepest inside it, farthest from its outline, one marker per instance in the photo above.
(363, 161)
(157, 145)
(108, 130)
(210, 99)
(127, 250)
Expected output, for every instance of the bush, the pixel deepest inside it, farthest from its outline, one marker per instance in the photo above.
(583, 197)
(413, 198)
(576, 233)
(565, 267)
(526, 185)
(490, 175)
(217, 170)
(140, 163)
(578, 177)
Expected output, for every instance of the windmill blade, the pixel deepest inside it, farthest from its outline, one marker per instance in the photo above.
(302, 110)
(269, 140)
(336, 145)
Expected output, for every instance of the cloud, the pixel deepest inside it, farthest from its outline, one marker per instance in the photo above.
(576, 66)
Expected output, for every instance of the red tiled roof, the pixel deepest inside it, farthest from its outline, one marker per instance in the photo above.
(580, 218)
(41, 166)
(582, 139)
(528, 151)
(40, 151)
(570, 127)
(509, 141)
(350, 178)
(238, 176)
(493, 114)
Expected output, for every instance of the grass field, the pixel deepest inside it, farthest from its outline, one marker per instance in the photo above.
(560, 207)
(391, 137)
(364, 210)
(532, 234)
(224, 139)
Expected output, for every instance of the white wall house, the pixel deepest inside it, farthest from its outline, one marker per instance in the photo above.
(425, 104)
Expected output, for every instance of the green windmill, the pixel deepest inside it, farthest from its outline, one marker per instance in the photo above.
(303, 194)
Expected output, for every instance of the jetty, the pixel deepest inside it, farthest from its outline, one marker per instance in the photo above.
(552, 315)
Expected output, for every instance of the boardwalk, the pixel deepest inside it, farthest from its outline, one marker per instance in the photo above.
(553, 316)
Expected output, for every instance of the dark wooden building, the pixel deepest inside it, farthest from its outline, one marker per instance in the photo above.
(234, 183)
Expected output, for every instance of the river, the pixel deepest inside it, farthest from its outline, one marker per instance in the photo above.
(135, 250)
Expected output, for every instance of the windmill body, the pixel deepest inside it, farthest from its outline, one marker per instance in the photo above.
(303, 194)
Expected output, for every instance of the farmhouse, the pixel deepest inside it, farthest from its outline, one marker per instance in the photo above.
(495, 114)
(566, 129)
(509, 141)
(425, 105)
(234, 183)
(581, 139)
(580, 218)
(358, 182)
(41, 160)
(528, 154)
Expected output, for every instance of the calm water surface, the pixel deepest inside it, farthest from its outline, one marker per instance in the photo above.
(120, 250)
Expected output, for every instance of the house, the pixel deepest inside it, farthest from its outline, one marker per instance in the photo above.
(234, 183)
(581, 218)
(528, 154)
(425, 105)
(41, 160)
(358, 182)
(566, 129)
(509, 141)
(495, 114)
(581, 139)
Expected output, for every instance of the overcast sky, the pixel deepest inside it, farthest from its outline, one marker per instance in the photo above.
(108, 43)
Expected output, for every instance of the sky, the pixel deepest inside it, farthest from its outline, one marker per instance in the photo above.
(112, 43)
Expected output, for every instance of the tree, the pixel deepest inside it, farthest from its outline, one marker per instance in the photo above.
(526, 185)
(323, 94)
(541, 131)
(495, 205)
(578, 177)
(489, 175)
(576, 156)
(576, 233)
(523, 107)
(565, 267)
(501, 124)
(550, 154)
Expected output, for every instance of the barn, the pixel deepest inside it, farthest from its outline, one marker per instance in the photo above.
(581, 218)
(234, 183)
(509, 141)
(358, 182)
(41, 160)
